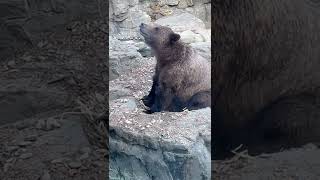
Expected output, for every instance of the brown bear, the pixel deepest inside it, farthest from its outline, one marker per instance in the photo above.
(266, 72)
(182, 77)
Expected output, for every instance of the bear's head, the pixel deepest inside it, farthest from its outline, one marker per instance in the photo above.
(158, 37)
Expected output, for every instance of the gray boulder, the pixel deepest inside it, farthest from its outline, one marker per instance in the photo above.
(181, 22)
(128, 29)
(203, 48)
(116, 92)
(191, 37)
(172, 2)
(201, 11)
(125, 17)
(205, 33)
(119, 9)
(161, 146)
(123, 56)
(144, 50)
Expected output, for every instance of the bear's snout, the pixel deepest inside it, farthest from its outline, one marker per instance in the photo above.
(142, 26)
(143, 30)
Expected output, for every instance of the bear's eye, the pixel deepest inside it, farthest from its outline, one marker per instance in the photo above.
(157, 29)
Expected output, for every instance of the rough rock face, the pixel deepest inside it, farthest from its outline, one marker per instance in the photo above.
(123, 56)
(124, 18)
(203, 11)
(161, 146)
(203, 48)
(200, 8)
(181, 22)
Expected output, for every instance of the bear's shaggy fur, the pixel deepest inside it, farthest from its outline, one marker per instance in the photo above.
(266, 71)
(182, 78)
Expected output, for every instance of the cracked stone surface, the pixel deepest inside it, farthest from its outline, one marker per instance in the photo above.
(159, 146)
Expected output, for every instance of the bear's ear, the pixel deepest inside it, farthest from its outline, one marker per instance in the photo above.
(174, 37)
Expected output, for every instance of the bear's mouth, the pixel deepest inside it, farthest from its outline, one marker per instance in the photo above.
(146, 37)
(143, 33)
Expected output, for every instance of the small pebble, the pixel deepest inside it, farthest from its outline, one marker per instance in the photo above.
(10, 160)
(84, 156)
(41, 44)
(128, 122)
(11, 63)
(98, 163)
(26, 155)
(26, 58)
(72, 172)
(31, 138)
(48, 124)
(24, 143)
(60, 160)
(17, 153)
(75, 165)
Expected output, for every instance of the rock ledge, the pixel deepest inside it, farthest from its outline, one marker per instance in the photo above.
(160, 146)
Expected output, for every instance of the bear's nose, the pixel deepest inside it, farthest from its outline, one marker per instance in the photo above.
(142, 24)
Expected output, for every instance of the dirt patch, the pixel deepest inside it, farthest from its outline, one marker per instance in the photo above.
(293, 164)
(62, 151)
(47, 96)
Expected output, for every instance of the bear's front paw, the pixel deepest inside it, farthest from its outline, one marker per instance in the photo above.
(154, 108)
(146, 101)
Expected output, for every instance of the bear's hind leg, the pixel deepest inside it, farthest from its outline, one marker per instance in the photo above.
(200, 100)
